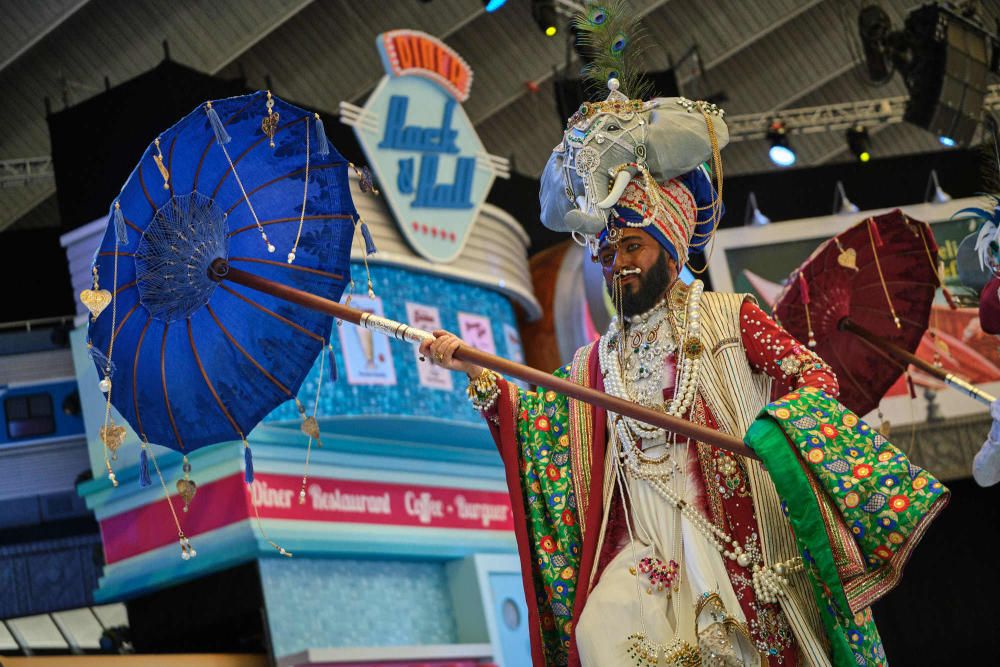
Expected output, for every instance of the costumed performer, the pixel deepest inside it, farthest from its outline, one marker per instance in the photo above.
(636, 543)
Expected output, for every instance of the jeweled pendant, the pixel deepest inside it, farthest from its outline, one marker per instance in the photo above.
(310, 427)
(96, 300)
(112, 436)
(186, 488)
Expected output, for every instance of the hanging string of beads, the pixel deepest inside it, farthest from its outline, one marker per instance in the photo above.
(112, 436)
(221, 141)
(187, 550)
(305, 195)
(310, 426)
(689, 363)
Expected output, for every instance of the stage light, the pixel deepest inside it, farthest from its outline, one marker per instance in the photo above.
(546, 16)
(753, 216)
(781, 152)
(859, 142)
(939, 196)
(947, 141)
(841, 204)
(493, 5)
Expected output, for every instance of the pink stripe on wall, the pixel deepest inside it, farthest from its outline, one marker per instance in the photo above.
(227, 501)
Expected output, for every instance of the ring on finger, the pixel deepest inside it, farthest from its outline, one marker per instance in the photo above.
(439, 356)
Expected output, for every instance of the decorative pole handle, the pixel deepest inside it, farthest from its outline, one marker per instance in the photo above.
(394, 329)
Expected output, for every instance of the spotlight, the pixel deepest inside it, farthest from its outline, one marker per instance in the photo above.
(781, 153)
(493, 5)
(753, 216)
(546, 16)
(939, 196)
(947, 141)
(859, 142)
(841, 204)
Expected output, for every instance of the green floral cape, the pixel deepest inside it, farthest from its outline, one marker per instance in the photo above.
(542, 422)
(857, 507)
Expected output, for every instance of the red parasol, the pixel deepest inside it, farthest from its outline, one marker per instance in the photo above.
(863, 300)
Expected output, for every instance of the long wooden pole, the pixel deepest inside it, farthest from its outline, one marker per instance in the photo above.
(907, 357)
(222, 271)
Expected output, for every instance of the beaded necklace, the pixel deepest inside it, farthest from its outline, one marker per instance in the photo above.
(633, 371)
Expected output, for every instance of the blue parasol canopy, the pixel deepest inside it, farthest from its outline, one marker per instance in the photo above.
(251, 180)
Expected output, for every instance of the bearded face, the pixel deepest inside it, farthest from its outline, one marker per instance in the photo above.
(639, 267)
(642, 294)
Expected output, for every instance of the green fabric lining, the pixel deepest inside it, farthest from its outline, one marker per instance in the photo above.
(767, 439)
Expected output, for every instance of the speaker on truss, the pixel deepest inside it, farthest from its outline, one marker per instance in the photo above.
(946, 72)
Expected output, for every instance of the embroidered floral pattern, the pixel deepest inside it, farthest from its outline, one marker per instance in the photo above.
(881, 500)
(882, 494)
(551, 512)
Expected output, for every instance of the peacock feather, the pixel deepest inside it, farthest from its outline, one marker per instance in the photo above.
(612, 37)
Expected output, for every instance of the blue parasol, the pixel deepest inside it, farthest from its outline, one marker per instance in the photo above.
(250, 180)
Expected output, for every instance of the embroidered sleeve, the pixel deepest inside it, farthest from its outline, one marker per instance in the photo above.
(772, 350)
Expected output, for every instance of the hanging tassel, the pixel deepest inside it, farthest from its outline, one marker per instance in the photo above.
(369, 243)
(121, 231)
(804, 289)
(144, 478)
(322, 146)
(248, 460)
(221, 136)
(876, 238)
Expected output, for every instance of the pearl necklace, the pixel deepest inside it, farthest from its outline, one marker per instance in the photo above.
(768, 580)
(688, 367)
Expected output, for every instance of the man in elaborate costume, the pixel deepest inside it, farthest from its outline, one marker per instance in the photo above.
(638, 546)
(695, 523)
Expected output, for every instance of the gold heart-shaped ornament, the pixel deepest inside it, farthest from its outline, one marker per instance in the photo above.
(848, 259)
(112, 436)
(96, 300)
(186, 488)
(310, 427)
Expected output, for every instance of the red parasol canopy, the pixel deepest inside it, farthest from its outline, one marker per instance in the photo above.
(881, 276)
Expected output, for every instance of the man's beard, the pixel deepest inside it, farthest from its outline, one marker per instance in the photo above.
(647, 289)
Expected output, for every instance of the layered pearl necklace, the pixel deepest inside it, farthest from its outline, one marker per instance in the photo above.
(632, 362)
(633, 371)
